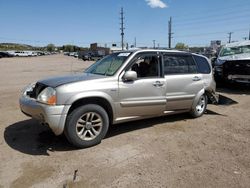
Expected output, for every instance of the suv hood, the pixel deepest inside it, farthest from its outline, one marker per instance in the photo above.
(245, 56)
(60, 80)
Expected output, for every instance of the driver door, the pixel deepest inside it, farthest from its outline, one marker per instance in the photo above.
(145, 96)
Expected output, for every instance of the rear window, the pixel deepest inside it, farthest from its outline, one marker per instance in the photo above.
(202, 64)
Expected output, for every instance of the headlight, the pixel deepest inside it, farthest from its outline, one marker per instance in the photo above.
(47, 96)
(28, 88)
(218, 68)
(219, 62)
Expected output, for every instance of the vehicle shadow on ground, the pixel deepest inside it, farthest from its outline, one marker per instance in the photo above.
(32, 138)
(223, 100)
(233, 88)
(146, 123)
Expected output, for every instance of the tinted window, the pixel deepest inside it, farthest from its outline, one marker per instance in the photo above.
(175, 64)
(202, 64)
(146, 65)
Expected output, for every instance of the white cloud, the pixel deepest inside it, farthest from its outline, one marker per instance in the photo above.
(156, 4)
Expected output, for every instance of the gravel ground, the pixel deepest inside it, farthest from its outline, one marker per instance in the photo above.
(172, 151)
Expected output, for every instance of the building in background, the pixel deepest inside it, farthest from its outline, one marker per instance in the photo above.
(98, 50)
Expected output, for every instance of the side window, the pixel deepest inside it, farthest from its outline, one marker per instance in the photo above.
(178, 64)
(202, 64)
(146, 65)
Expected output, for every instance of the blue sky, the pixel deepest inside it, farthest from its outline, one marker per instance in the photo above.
(81, 22)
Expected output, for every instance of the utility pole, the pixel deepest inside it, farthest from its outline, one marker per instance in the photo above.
(135, 42)
(230, 37)
(169, 32)
(122, 28)
(154, 43)
(249, 35)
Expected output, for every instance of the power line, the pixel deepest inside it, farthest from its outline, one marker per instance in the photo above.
(204, 34)
(214, 21)
(217, 15)
(201, 27)
(233, 7)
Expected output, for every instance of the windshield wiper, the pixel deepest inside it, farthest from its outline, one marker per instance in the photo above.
(98, 73)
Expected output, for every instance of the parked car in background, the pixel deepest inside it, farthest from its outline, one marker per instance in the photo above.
(34, 53)
(233, 63)
(11, 53)
(121, 87)
(21, 54)
(72, 54)
(40, 53)
(76, 55)
(5, 54)
(27, 53)
(86, 55)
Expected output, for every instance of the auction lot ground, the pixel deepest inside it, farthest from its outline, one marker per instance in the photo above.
(173, 151)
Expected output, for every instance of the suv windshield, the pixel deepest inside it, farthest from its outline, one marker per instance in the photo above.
(109, 64)
(226, 51)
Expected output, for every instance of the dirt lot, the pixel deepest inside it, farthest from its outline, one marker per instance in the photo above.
(173, 151)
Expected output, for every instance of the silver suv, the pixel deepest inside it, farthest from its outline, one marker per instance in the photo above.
(121, 87)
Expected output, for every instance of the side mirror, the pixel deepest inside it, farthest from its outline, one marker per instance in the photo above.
(130, 76)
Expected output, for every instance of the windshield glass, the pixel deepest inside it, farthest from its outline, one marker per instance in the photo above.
(109, 64)
(226, 51)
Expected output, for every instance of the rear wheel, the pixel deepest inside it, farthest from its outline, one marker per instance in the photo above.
(86, 125)
(200, 106)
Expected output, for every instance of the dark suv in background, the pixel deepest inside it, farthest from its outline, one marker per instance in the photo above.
(233, 63)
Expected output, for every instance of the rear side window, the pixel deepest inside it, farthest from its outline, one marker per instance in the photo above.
(178, 64)
(202, 64)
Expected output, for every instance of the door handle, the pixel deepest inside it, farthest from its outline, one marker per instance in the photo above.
(158, 84)
(196, 78)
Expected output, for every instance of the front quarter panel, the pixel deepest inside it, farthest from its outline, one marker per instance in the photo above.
(106, 88)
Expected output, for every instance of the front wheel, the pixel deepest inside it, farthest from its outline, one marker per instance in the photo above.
(86, 125)
(200, 107)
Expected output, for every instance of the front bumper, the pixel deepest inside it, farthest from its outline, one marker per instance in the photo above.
(239, 78)
(54, 116)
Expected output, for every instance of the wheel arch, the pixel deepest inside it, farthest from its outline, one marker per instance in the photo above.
(197, 97)
(104, 103)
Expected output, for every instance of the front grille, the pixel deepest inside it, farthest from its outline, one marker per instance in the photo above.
(237, 67)
(37, 90)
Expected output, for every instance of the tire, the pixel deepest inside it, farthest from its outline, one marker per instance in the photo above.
(200, 107)
(86, 126)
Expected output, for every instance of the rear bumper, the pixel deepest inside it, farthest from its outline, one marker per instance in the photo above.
(54, 116)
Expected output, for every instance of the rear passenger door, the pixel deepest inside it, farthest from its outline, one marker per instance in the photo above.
(182, 79)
